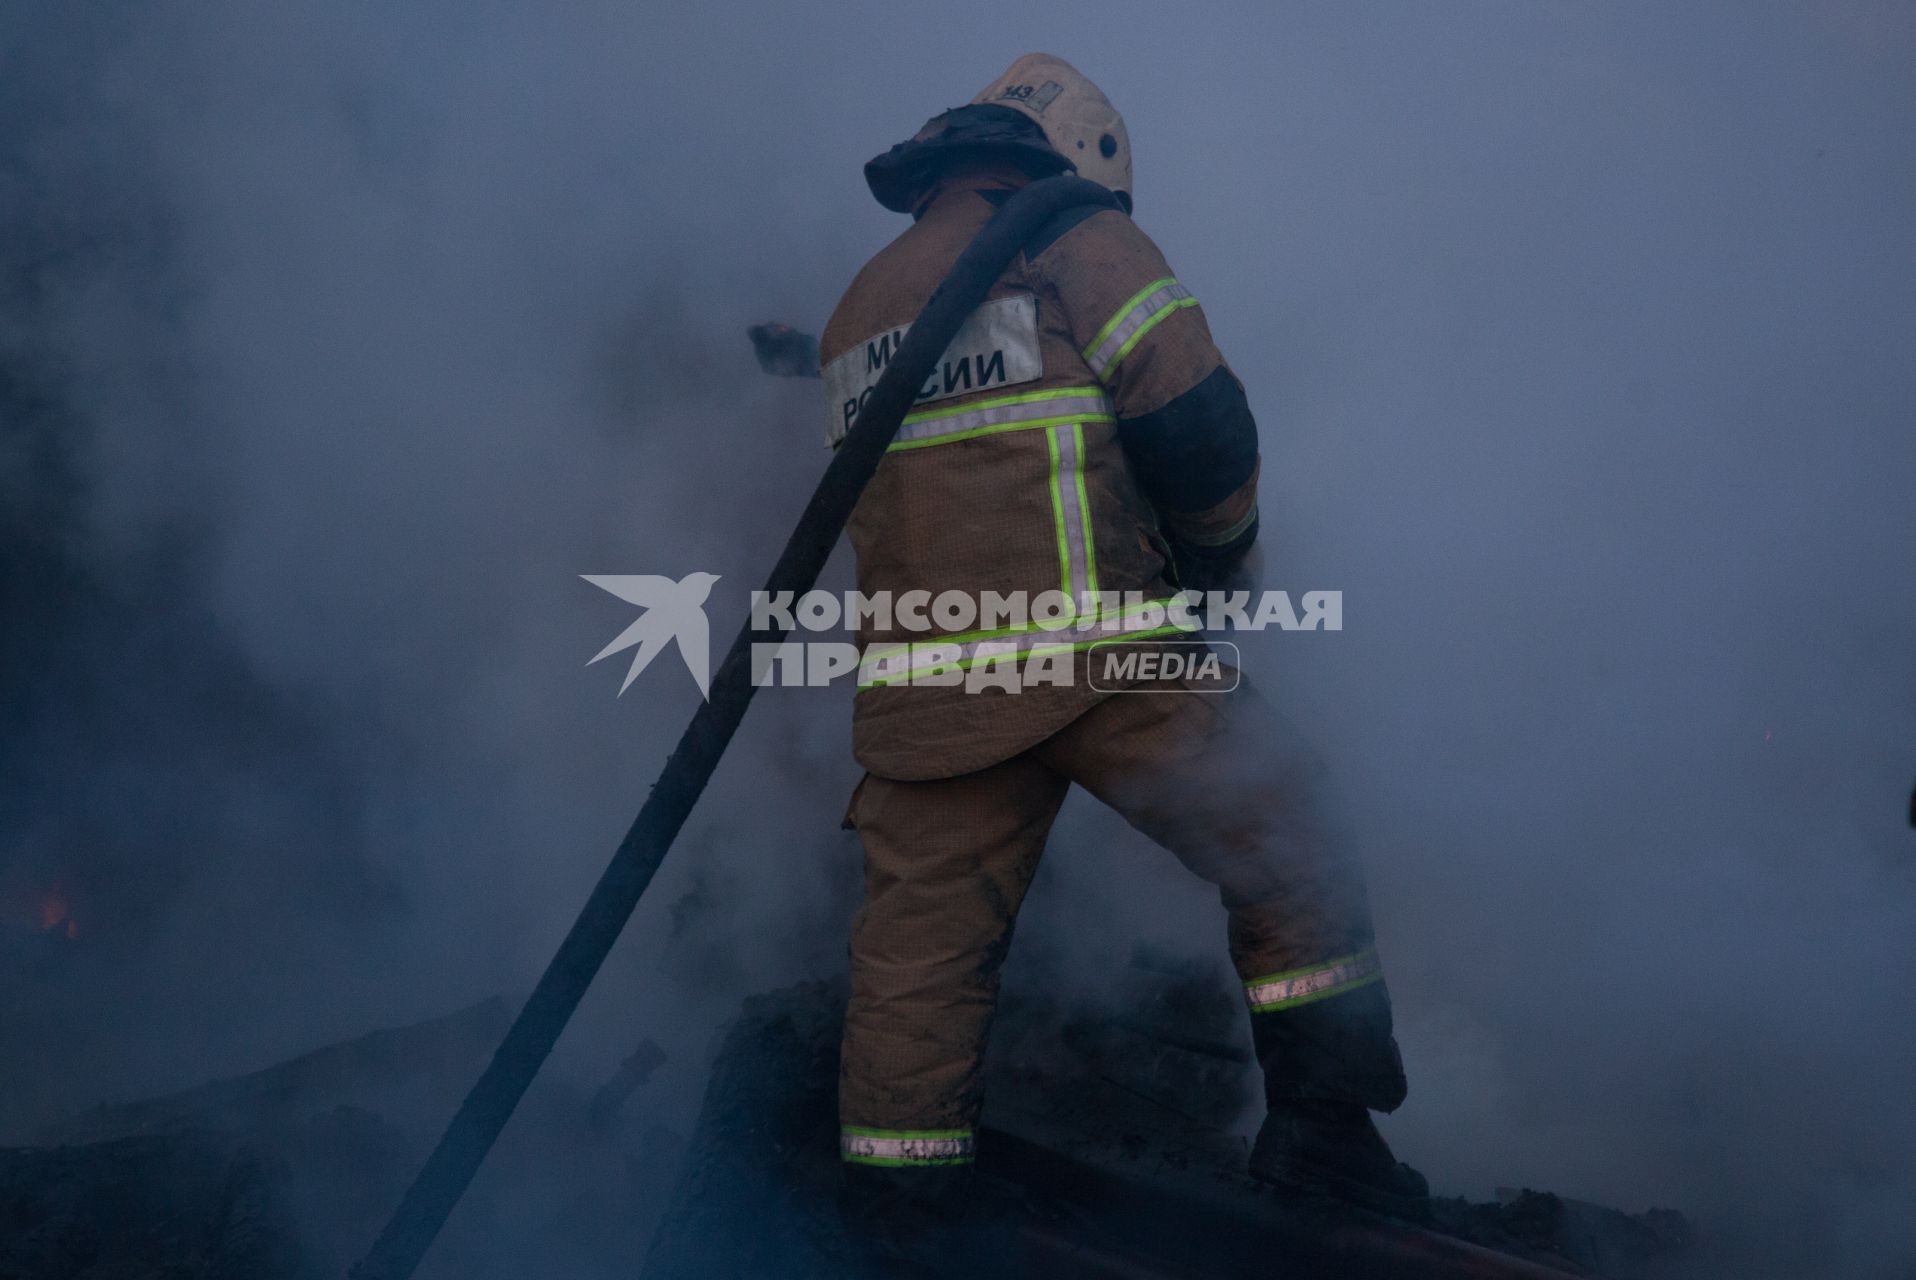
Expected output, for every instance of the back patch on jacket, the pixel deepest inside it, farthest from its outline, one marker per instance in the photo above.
(996, 347)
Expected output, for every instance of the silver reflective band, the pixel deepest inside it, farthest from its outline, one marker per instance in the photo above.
(1008, 413)
(1068, 501)
(900, 663)
(1151, 304)
(1301, 986)
(906, 1146)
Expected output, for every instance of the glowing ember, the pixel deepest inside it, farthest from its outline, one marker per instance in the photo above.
(57, 913)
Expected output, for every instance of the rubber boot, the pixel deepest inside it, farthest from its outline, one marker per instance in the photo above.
(1327, 1066)
(1317, 1147)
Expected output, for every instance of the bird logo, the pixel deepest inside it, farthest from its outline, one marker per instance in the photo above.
(674, 611)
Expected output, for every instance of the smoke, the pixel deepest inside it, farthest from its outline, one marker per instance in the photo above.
(336, 342)
(329, 368)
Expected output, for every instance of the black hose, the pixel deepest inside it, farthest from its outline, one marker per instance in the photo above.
(463, 1147)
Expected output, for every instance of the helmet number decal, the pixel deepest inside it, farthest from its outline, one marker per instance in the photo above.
(1037, 99)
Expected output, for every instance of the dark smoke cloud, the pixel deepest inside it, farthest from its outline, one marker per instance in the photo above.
(338, 340)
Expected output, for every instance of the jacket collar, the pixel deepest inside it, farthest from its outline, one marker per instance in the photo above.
(992, 186)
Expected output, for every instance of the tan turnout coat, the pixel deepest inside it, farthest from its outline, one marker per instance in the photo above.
(1008, 476)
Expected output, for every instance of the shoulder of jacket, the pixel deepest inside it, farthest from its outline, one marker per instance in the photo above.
(1085, 229)
(858, 296)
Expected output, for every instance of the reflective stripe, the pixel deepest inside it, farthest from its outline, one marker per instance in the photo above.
(899, 663)
(1301, 986)
(1008, 413)
(1088, 553)
(1071, 511)
(1147, 307)
(905, 1146)
(1062, 412)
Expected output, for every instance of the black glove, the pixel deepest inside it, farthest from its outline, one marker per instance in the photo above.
(783, 351)
(1201, 570)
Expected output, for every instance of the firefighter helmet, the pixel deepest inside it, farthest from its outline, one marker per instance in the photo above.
(1041, 113)
(1077, 119)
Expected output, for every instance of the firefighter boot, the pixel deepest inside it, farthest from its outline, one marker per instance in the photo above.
(1324, 1148)
(1327, 1064)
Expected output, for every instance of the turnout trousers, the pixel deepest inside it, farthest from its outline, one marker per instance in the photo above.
(1220, 780)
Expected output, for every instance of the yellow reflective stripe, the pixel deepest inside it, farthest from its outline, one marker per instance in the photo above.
(1151, 323)
(1146, 309)
(1319, 981)
(1003, 413)
(1088, 530)
(1057, 513)
(973, 433)
(1071, 511)
(931, 666)
(998, 402)
(894, 664)
(1118, 318)
(905, 1147)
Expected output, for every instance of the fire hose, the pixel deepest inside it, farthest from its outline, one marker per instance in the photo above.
(449, 1170)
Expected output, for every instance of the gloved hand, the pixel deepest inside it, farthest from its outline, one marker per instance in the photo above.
(783, 351)
(1200, 572)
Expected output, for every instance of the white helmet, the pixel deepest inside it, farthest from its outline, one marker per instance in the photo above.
(1041, 112)
(1078, 120)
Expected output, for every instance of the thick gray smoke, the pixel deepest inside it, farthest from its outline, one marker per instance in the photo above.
(336, 341)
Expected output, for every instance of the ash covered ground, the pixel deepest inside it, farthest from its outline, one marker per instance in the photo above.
(1116, 1131)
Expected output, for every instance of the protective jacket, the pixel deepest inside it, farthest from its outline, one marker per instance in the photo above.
(1079, 439)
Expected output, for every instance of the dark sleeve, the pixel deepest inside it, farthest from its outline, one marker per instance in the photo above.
(1196, 460)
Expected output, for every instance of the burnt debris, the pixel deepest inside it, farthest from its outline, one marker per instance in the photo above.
(1120, 1125)
(284, 1173)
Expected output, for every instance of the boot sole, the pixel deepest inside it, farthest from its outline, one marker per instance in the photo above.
(1315, 1182)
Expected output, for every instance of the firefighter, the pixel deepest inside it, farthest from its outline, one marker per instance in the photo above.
(1081, 436)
